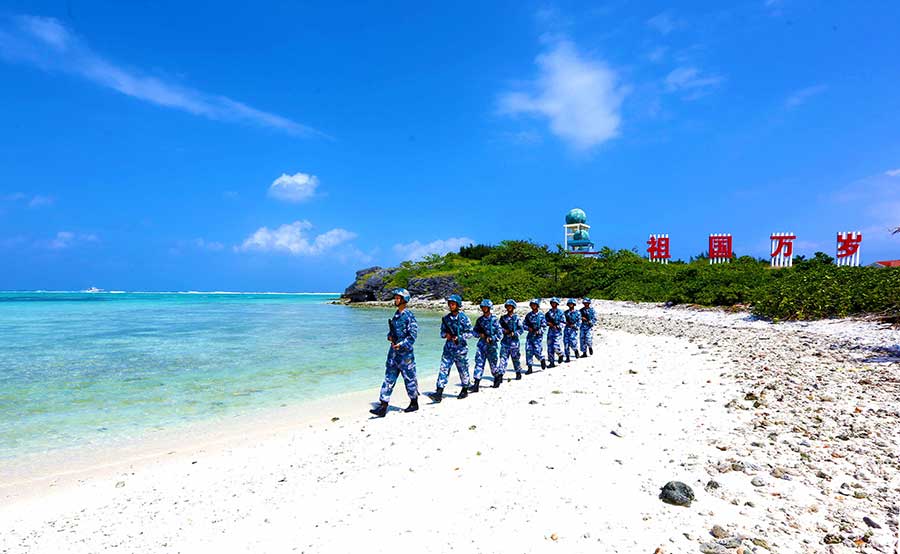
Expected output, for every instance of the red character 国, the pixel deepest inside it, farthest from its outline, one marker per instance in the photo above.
(720, 247)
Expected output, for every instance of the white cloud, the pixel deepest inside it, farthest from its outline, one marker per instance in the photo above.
(801, 96)
(657, 54)
(294, 188)
(692, 82)
(892, 173)
(581, 98)
(208, 245)
(416, 250)
(294, 239)
(48, 44)
(67, 239)
(35, 201)
(665, 22)
(39, 200)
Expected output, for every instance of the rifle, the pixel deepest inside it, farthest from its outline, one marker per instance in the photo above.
(480, 330)
(391, 336)
(455, 331)
(510, 327)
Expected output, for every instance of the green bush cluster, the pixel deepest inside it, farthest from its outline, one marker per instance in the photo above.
(813, 288)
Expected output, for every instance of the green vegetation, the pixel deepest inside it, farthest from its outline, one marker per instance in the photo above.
(813, 288)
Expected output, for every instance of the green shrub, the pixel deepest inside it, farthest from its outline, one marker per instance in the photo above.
(813, 288)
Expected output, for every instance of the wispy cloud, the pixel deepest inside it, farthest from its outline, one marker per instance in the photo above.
(657, 54)
(48, 44)
(581, 98)
(40, 200)
(32, 201)
(295, 239)
(665, 22)
(67, 239)
(194, 245)
(294, 188)
(872, 206)
(801, 96)
(691, 82)
(416, 250)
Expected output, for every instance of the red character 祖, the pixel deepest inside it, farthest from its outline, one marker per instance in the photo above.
(659, 248)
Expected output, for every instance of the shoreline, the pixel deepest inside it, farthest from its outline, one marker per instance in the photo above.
(794, 423)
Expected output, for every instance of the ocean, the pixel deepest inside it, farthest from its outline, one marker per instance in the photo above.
(88, 369)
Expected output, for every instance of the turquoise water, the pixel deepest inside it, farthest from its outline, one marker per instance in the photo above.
(83, 369)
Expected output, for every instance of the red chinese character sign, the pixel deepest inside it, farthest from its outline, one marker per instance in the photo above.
(720, 250)
(848, 248)
(658, 248)
(782, 249)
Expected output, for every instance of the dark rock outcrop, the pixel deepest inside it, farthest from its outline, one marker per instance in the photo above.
(369, 285)
(372, 283)
(433, 288)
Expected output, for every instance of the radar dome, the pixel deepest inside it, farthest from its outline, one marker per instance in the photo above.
(576, 215)
(581, 235)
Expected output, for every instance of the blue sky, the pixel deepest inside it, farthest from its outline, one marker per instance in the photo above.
(275, 146)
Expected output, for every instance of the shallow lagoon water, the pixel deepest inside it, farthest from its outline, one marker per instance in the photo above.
(83, 369)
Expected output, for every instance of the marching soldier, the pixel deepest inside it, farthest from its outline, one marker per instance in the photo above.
(555, 321)
(487, 327)
(455, 327)
(509, 344)
(570, 334)
(402, 332)
(535, 323)
(588, 320)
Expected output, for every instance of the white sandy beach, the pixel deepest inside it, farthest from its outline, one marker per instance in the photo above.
(566, 460)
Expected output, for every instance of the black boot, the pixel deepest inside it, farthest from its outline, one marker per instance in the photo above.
(380, 411)
(591, 350)
(567, 359)
(559, 361)
(519, 374)
(576, 354)
(543, 364)
(474, 388)
(437, 395)
(463, 393)
(552, 362)
(497, 380)
(529, 371)
(413, 405)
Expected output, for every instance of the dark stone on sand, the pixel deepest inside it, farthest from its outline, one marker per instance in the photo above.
(677, 493)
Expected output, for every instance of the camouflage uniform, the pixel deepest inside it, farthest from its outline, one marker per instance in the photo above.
(401, 361)
(570, 334)
(554, 336)
(535, 323)
(484, 350)
(588, 320)
(509, 344)
(455, 352)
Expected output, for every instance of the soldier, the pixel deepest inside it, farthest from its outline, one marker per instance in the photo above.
(535, 323)
(509, 344)
(455, 327)
(487, 327)
(402, 332)
(555, 321)
(588, 320)
(570, 334)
